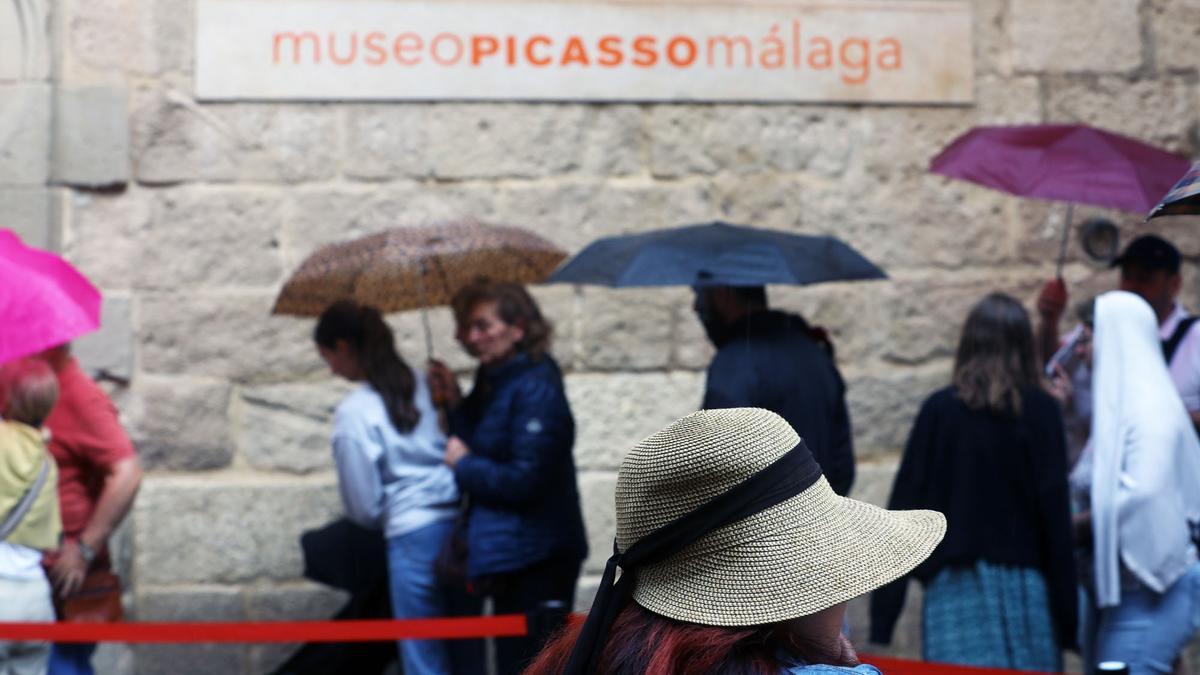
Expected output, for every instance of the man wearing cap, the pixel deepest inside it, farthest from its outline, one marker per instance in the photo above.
(1150, 267)
(777, 361)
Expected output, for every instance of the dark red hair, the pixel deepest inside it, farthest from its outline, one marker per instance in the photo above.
(644, 643)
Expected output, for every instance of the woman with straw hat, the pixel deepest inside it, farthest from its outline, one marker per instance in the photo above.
(738, 556)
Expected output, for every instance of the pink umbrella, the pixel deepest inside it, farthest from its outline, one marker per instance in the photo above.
(44, 301)
(1073, 163)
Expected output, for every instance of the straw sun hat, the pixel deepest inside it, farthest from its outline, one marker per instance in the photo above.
(806, 553)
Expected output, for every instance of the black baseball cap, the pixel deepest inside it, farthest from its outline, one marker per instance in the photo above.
(1150, 252)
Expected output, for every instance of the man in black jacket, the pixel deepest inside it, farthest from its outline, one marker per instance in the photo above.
(774, 360)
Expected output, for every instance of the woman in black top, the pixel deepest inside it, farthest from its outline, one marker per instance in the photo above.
(989, 451)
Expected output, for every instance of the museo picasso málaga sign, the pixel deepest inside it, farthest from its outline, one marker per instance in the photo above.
(847, 51)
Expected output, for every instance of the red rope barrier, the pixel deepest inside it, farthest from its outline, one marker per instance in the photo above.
(509, 625)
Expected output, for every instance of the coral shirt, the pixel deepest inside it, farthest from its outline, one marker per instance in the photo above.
(86, 439)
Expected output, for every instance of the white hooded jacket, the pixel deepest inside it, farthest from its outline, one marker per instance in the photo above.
(1143, 459)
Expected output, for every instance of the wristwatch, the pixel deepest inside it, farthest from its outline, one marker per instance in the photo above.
(86, 552)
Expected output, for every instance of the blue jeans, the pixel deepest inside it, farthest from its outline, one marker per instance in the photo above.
(1148, 630)
(416, 594)
(69, 658)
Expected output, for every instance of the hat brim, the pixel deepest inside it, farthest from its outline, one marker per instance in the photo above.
(804, 555)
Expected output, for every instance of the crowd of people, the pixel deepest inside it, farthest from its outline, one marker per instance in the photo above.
(1048, 498)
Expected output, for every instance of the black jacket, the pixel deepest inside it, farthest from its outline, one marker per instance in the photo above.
(1001, 481)
(771, 361)
(520, 475)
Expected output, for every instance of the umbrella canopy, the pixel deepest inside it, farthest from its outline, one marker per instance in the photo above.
(715, 254)
(44, 301)
(414, 267)
(1183, 199)
(1071, 163)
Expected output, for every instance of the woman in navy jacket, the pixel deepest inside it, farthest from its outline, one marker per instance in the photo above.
(510, 449)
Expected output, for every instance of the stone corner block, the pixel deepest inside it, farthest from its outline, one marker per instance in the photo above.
(33, 213)
(91, 136)
(25, 133)
(110, 349)
(178, 423)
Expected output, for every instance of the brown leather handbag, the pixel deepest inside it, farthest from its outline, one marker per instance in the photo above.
(98, 600)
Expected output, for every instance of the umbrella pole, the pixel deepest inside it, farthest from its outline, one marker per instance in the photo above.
(1062, 247)
(425, 312)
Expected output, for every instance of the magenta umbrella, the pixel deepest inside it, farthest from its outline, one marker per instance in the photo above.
(1073, 163)
(44, 301)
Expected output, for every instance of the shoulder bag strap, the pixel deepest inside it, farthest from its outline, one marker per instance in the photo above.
(1181, 331)
(17, 514)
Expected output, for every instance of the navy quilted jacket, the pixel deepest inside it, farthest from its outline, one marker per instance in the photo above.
(520, 475)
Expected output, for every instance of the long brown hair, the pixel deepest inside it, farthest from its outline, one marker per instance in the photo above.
(644, 643)
(515, 307)
(995, 360)
(374, 347)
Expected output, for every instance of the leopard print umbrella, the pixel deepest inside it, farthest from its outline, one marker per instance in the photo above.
(414, 267)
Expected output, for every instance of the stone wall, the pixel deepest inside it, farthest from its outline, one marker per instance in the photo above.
(190, 215)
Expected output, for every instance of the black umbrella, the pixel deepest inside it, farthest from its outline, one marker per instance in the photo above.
(715, 254)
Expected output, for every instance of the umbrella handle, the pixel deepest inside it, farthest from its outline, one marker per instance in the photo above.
(1062, 247)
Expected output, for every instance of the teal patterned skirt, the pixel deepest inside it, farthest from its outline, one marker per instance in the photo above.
(993, 616)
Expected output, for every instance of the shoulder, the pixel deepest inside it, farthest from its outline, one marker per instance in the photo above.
(359, 406)
(942, 401)
(819, 669)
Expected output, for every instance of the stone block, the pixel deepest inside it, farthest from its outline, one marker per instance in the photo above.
(33, 214)
(322, 216)
(1175, 30)
(849, 311)
(113, 658)
(110, 349)
(1160, 111)
(1064, 36)
(286, 427)
(91, 136)
(105, 36)
(573, 214)
(181, 423)
(627, 329)
(692, 348)
(614, 412)
(873, 481)
(771, 200)
(596, 494)
(210, 238)
(906, 638)
(561, 306)
(174, 35)
(749, 139)
(176, 140)
(992, 54)
(228, 530)
(585, 591)
(902, 140)
(203, 603)
(231, 336)
(24, 41)
(883, 406)
(105, 239)
(25, 118)
(302, 601)
(465, 141)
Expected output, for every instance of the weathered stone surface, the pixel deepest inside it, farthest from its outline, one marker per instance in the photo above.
(176, 140)
(1160, 112)
(1175, 29)
(319, 216)
(200, 603)
(882, 407)
(210, 238)
(906, 639)
(1063, 36)
(108, 35)
(32, 213)
(992, 55)
(302, 601)
(24, 41)
(24, 133)
(181, 423)
(286, 427)
(902, 140)
(114, 659)
(105, 236)
(228, 529)
(613, 412)
(873, 481)
(596, 494)
(463, 141)
(842, 310)
(626, 329)
(573, 214)
(91, 136)
(225, 335)
(110, 349)
(746, 139)
(692, 348)
(771, 200)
